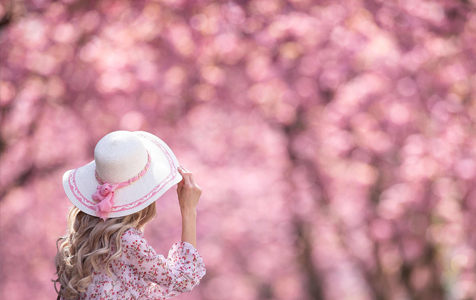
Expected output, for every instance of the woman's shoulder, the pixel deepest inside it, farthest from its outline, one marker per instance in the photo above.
(134, 244)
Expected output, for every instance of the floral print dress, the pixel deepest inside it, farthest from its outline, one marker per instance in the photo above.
(143, 274)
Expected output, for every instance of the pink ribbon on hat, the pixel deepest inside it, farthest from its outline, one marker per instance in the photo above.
(105, 192)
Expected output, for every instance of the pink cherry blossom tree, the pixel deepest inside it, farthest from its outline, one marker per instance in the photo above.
(333, 140)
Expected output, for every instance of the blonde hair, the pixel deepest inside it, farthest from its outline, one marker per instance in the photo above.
(92, 244)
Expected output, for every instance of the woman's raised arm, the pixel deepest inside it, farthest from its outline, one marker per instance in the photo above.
(188, 195)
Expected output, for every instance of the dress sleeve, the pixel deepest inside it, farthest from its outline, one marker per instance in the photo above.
(158, 277)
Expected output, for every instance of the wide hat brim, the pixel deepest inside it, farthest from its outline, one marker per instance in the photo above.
(81, 183)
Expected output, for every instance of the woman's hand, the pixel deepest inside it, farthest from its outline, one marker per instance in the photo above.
(188, 191)
(188, 194)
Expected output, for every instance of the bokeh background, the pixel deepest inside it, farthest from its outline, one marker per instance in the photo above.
(334, 140)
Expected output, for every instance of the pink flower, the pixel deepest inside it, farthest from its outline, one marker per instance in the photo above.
(105, 189)
(105, 196)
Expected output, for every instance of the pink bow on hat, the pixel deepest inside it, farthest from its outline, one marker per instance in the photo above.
(105, 195)
(105, 192)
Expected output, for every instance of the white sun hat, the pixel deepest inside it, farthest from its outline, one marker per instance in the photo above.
(130, 170)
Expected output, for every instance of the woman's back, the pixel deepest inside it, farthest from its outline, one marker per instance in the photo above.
(143, 274)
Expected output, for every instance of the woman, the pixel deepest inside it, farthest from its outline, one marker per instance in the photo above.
(104, 255)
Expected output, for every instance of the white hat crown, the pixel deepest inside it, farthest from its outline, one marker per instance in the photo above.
(119, 156)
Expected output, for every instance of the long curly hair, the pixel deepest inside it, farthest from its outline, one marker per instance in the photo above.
(92, 244)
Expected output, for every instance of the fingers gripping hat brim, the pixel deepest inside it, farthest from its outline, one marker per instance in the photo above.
(80, 184)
